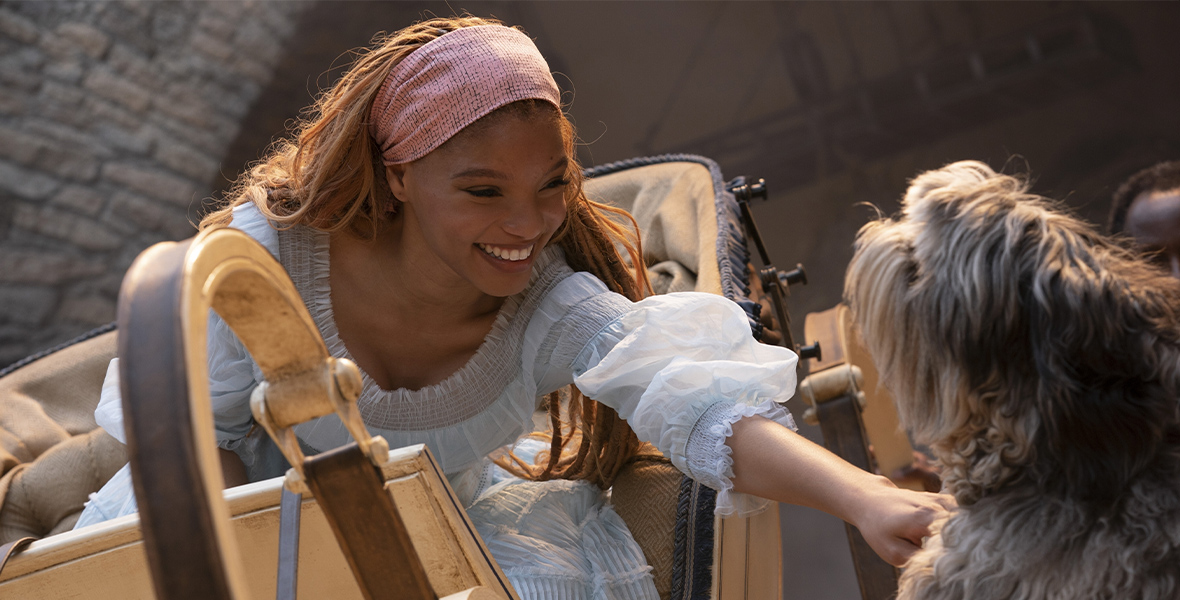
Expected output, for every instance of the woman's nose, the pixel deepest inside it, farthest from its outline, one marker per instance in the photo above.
(528, 218)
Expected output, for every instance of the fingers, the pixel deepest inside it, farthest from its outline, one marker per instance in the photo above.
(937, 502)
(898, 553)
(928, 509)
(901, 519)
(916, 532)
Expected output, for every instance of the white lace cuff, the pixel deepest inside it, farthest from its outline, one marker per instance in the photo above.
(710, 460)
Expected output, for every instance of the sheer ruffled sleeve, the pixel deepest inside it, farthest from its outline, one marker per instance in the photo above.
(232, 378)
(679, 368)
(232, 373)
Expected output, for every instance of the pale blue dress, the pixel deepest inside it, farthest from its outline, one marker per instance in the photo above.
(679, 368)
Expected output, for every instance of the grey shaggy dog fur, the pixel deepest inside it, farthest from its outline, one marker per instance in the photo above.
(1040, 362)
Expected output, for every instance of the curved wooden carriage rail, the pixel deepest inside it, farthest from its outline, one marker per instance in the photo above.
(163, 313)
(853, 411)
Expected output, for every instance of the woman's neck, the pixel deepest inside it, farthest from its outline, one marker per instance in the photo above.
(404, 320)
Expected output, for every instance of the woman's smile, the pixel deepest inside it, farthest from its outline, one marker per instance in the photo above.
(508, 254)
(508, 259)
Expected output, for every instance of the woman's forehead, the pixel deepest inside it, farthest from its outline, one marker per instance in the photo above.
(504, 140)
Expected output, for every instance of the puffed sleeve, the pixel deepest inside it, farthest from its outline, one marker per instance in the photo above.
(232, 377)
(679, 368)
(232, 373)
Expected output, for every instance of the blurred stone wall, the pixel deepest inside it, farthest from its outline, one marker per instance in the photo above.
(114, 118)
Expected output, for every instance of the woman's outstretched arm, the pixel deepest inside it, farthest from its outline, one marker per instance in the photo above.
(774, 462)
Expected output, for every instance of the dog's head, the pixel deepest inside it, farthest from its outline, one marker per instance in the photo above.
(1024, 348)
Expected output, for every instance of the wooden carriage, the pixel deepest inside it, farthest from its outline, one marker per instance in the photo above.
(190, 540)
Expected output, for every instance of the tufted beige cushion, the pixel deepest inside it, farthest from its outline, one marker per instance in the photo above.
(52, 453)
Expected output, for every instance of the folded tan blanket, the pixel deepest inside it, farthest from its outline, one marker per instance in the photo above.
(674, 207)
(52, 454)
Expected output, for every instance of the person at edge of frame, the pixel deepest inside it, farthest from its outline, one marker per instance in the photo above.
(1146, 208)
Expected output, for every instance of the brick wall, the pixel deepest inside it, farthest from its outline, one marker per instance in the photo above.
(114, 119)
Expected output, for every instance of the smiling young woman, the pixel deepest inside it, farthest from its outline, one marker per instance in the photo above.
(474, 215)
(431, 214)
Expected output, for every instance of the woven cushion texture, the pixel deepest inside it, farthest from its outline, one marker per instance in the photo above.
(645, 495)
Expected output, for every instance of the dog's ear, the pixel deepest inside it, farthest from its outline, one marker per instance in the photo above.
(876, 286)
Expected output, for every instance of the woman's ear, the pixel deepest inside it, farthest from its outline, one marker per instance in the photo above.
(395, 176)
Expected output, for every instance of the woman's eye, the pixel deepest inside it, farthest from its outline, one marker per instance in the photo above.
(483, 192)
(557, 183)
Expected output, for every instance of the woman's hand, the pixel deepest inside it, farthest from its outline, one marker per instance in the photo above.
(774, 462)
(894, 521)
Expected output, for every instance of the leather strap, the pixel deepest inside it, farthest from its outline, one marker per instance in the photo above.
(179, 532)
(289, 516)
(351, 492)
(844, 435)
(11, 549)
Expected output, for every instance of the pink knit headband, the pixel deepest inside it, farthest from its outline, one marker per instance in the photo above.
(452, 81)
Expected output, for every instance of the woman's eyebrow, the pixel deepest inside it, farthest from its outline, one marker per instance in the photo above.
(561, 163)
(490, 173)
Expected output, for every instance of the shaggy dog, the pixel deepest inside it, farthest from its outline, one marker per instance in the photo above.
(1040, 362)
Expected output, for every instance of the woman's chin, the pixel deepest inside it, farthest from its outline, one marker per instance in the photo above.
(501, 285)
(502, 289)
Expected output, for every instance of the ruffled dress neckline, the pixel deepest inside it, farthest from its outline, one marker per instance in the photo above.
(460, 396)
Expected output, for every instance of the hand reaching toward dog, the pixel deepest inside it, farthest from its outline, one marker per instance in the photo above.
(894, 521)
(774, 462)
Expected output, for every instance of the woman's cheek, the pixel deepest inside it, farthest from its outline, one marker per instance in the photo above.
(556, 212)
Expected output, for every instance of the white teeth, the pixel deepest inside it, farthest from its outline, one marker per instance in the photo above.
(506, 254)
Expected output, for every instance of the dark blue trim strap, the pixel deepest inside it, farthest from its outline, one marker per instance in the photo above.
(62, 346)
(692, 554)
